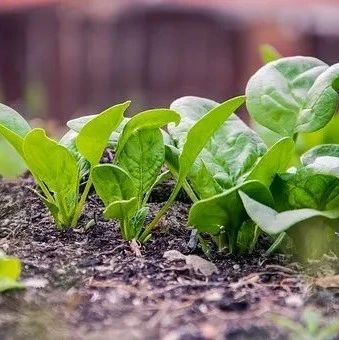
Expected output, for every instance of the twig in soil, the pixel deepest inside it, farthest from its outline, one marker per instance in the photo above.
(281, 268)
(112, 251)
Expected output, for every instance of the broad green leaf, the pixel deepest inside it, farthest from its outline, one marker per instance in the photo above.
(275, 160)
(226, 209)
(124, 209)
(307, 187)
(69, 142)
(273, 222)
(78, 123)
(200, 133)
(94, 136)
(54, 165)
(13, 127)
(325, 165)
(112, 183)
(13, 121)
(11, 164)
(142, 157)
(293, 94)
(268, 53)
(321, 150)
(150, 119)
(219, 166)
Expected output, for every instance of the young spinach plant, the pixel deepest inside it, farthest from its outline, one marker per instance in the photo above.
(234, 158)
(306, 203)
(56, 169)
(135, 172)
(125, 186)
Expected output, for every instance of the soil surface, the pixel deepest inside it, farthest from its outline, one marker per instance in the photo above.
(90, 284)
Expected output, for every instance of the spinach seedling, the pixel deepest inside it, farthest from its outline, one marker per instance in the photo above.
(125, 186)
(125, 199)
(230, 152)
(293, 94)
(306, 203)
(235, 156)
(10, 269)
(223, 215)
(56, 169)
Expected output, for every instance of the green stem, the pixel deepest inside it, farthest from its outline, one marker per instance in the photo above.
(44, 189)
(160, 213)
(80, 205)
(190, 192)
(276, 244)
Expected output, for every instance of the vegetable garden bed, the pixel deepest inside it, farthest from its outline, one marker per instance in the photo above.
(180, 234)
(91, 285)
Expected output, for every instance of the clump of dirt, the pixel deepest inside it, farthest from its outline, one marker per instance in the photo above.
(90, 284)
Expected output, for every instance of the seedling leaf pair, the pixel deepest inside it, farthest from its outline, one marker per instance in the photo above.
(56, 168)
(140, 153)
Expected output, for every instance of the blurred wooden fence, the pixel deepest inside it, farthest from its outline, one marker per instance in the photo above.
(59, 61)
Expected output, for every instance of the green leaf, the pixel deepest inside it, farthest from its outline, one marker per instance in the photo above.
(69, 142)
(215, 166)
(274, 161)
(93, 137)
(14, 166)
(226, 209)
(121, 210)
(54, 165)
(247, 237)
(112, 183)
(273, 222)
(142, 157)
(293, 94)
(150, 119)
(307, 187)
(311, 155)
(78, 123)
(13, 127)
(268, 53)
(10, 269)
(200, 133)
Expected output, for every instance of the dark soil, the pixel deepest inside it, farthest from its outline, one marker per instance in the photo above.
(93, 285)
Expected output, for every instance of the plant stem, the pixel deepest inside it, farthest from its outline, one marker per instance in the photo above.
(79, 207)
(160, 213)
(275, 244)
(190, 192)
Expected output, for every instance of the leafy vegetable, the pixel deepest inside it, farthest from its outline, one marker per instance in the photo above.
(233, 156)
(223, 215)
(293, 94)
(306, 202)
(10, 269)
(56, 167)
(196, 139)
(125, 186)
(216, 168)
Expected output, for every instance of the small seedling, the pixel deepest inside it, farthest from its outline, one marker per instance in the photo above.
(58, 167)
(10, 269)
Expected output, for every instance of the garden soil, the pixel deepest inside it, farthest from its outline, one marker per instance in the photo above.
(90, 284)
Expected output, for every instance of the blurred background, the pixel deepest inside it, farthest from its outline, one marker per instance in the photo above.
(66, 58)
